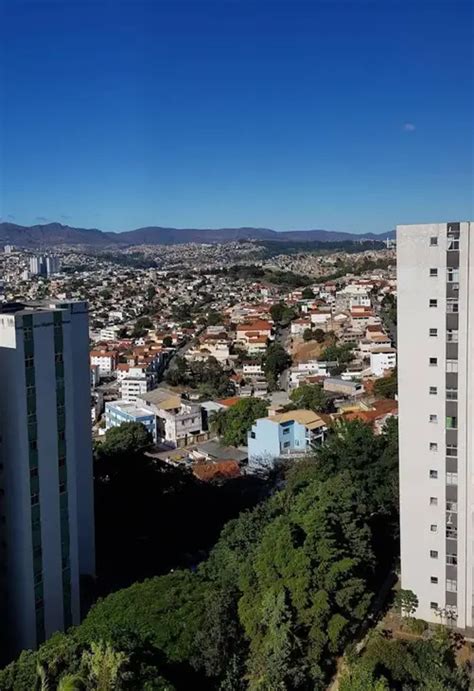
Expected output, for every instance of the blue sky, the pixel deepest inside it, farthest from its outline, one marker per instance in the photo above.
(208, 113)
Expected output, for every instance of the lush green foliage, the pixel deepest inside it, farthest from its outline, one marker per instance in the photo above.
(386, 387)
(280, 596)
(429, 665)
(309, 397)
(127, 440)
(276, 361)
(342, 355)
(233, 424)
(282, 314)
(208, 377)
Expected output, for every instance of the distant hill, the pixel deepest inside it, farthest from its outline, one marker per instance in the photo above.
(51, 234)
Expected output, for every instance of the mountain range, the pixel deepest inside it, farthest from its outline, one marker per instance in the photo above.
(51, 234)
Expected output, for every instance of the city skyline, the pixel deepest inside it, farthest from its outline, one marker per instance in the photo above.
(351, 117)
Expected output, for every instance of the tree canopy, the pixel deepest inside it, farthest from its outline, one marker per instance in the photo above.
(279, 597)
(233, 424)
(309, 397)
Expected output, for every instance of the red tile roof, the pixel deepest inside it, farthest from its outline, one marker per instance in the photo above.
(220, 470)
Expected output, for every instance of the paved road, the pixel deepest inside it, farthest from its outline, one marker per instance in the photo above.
(282, 336)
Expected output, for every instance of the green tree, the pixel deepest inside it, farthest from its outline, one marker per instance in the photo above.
(319, 335)
(129, 439)
(387, 386)
(214, 318)
(167, 341)
(308, 335)
(309, 397)
(277, 361)
(359, 678)
(307, 294)
(238, 420)
(104, 666)
(407, 602)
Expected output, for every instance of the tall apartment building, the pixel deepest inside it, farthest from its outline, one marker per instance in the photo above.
(435, 288)
(47, 513)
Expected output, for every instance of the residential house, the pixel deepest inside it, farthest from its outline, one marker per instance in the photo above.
(282, 435)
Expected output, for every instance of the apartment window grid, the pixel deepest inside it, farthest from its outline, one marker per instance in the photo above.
(451, 395)
(35, 516)
(62, 466)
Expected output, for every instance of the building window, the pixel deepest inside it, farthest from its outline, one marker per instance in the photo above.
(34, 499)
(451, 560)
(433, 446)
(451, 506)
(433, 361)
(452, 306)
(451, 585)
(434, 579)
(286, 444)
(433, 272)
(451, 478)
(433, 242)
(433, 501)
(286, 431)
(451, 422)
(451, 394)
(451, 366)
(451, 450)
(452, 336)
(433, 553)
(433, 332)
(433, 528)
(433, 302)
(433, 474)
(433, 418)
(433, 390)
(453, 275)
(433, 605)
(453, 244)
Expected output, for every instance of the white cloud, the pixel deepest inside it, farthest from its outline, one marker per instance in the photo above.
(409, 127)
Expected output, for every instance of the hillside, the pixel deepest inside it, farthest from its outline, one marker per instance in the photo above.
(57, 234)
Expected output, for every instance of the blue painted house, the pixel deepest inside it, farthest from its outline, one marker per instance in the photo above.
(283, 435)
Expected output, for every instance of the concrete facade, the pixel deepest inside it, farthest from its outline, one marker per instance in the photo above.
(436, 415)
(46, 476)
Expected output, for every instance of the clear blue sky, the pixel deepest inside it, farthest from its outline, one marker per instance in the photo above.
(207, 113)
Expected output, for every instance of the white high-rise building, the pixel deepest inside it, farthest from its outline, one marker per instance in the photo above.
(435, 288)
(47, 513)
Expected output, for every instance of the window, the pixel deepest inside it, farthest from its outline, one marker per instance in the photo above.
(433, 242)
(433, 528)
(433, 474)
(451, 478)
(34, 472)
(33, 445)
(433, 361)
(433, 272)
(62, 487)
(451, 450)
(433, 302)
(451, 422)
(286, 431)
(433, 390)
(34, 499)
(453, 275)
(434, 579)
(452, 336)
(29, 362)
(62, 460)
(433, 332)
(451, 585)
(451, 533)
(452, 306)
(433, 418)
(451, 506)
(433, 605)
(451, 560)
(433, 501)
(433, 446)
(433, 553)
(451, 366)
(451, 394)
(286, 444)
(453, 244)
